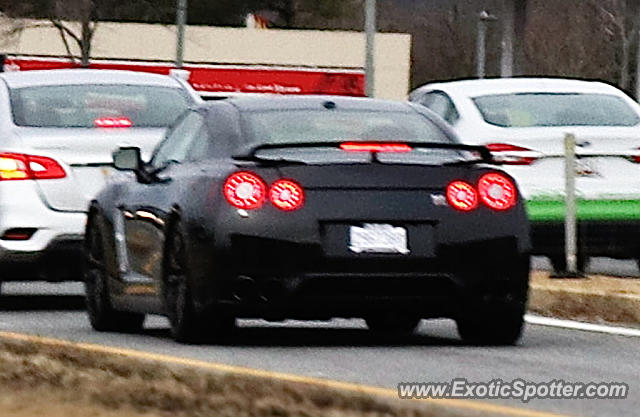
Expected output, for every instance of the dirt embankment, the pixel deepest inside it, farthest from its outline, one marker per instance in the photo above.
(65, 381)
(594, 299)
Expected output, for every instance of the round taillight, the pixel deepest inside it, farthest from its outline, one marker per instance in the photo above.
(286, 195)
(245, 190)
(462, 196)
(497, 191)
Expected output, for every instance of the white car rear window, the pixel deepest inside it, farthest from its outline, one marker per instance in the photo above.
(100, 105)
(555, 109)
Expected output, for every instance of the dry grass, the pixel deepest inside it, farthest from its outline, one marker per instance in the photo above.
(63, 380)
(594, 299)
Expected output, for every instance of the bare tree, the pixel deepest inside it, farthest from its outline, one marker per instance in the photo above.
(85, 13)
(77, 20)
(621, 23)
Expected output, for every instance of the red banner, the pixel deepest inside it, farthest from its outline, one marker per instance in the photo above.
(226, 78)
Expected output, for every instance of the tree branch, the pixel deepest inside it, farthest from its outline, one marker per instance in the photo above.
(63, 28)
(63, 35)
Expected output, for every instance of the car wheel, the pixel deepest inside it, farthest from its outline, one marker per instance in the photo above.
(102, 315)
(498, 320)
(494, 326)
(187, 324)
(559, 263)
(392, 324)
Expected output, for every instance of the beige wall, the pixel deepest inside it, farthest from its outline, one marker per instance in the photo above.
(237, 46)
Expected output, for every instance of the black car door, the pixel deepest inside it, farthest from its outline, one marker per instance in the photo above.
(146, 207)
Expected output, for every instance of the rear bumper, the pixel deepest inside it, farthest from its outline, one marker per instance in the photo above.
(281, 282)
(616, 239)
(53, 252)
(61, 260)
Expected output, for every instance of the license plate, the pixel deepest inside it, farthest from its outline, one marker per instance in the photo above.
(378, 238)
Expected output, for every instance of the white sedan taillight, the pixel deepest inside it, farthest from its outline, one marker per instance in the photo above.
(15, 166)
(511, 154)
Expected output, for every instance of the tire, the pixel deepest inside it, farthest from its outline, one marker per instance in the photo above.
(187, 324)
(392, 324)
(499, 321)
(102, 315)
(495, 326)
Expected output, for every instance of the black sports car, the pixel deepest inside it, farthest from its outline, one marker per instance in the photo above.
(309, 208)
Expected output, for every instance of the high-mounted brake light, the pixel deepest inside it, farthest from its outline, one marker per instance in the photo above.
(511, 154)
(113, 122)
(375, 147)
(245, 190)
(497, 191)
(286, 195)
(14, 166)
(462, 196)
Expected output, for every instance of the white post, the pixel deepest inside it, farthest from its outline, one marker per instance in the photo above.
(507, 44)
(570, 230)
(370, 29)
(181, 21)
(481, 43)
(484, 19)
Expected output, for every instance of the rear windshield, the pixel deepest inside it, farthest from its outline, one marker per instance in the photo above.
(551, 109)
(94, 105)
(308, 126)
(340, 126)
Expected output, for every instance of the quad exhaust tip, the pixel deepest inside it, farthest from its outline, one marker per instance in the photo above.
(246, 289)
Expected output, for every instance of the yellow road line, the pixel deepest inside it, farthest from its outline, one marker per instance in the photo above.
(240, 370)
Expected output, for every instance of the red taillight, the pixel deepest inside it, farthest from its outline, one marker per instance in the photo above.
(497, 191)
(15, 166)
(43, 168)
(462, 196)
(18, 234)
(375, 147)
(113, 122)
(635, 157)
(286, 195)
(512, 154)
(245, 190)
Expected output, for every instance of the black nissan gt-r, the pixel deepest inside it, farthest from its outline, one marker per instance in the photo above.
(309, 208)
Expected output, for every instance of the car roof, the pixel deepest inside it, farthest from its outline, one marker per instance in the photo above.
(21, 79)
(281, 102)
(477, 87)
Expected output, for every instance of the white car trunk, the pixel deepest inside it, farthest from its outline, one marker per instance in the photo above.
(86, 156)
(605, 167)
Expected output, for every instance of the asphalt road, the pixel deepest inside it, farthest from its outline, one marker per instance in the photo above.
(344, 350)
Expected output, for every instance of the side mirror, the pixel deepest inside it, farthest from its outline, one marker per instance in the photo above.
(127, 159)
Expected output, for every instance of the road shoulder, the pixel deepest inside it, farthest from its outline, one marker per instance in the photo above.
(595, 299)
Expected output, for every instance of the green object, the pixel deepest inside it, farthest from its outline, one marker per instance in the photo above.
(550, 210)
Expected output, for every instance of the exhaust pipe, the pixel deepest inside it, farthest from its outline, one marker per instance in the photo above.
(245, 289)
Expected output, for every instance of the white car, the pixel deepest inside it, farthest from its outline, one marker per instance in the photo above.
(523, 121)
(58, 130)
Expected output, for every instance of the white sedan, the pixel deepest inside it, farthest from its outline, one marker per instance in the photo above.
(58, 130)
(523, 122)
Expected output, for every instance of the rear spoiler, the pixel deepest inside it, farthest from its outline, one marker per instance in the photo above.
(249, 152)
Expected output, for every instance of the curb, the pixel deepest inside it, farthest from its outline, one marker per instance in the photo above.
(567, 300)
